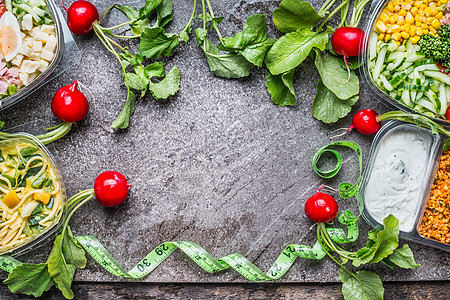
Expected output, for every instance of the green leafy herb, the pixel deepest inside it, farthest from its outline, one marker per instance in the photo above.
(362, 285)
(381, 247)
(334, 76)
(66, 256)
(281, 88)
(293, 15)
(292, 49)
(30, 279)
(327, 107)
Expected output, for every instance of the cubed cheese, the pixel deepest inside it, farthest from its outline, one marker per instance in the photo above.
(25, 50)
(35, 56)
(27, 22)
(47, 55)
(17, 60)
(51, 44)
(29, 66)
(24, 78)
(41, 36)
(37, 46)
(43, 65)
(28, 41)
(47, 28)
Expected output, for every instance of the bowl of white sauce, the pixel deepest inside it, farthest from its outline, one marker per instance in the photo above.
(397, 180)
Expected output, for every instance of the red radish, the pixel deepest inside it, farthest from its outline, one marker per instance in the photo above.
(347, 41)
(366, 121)
(442, 68)
(111, 188)
(447, 114)
(69, 104)
(321, 207)
(80, 16)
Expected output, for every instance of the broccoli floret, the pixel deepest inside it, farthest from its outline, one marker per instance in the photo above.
(437, 47)
(444, 32)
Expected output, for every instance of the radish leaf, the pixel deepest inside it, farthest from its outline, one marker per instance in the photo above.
(168, 86)
(293, 15)
(362, 285)
(327, 107)
(156, 42)
(292, 49)
(402, 257)
(29, 279)
(281, 88)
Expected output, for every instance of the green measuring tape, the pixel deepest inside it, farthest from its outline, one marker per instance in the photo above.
(235, 261)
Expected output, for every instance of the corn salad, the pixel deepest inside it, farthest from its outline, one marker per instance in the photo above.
(407, 19)
(435, 222)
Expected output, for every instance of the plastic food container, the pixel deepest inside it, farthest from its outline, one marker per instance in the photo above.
(375, 10)
(402, 157)
(47, 234)
(67, 54)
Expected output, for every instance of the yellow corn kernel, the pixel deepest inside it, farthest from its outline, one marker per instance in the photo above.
(428, 11)
(422, 9)
(380, 26)
(436, 23)
(397, 43)
(410, 2)
(402, 12)
(396, 2)
(409, 18)
(406, 27)
(424, 26)
(393, 19)
(397, 8)
(406, 6)
(418, 24)
(414, 39)
(389, 28)
(381, 36)
(404, 35)
(401, 20)
(417, 4)
(444, 1)
(414, 10)
(429, 20)
(439, 15)
(396, 36)
(425, 31)
(417, 18)
(396, 28)
(383, 18)
(432, 30)
(387, 37)
(11, 199)
(390, 7)
(412, 31)
(43, 197)
(432, 5)
(419, 31)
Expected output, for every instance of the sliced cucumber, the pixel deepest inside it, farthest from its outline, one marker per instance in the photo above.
(373, 46)
(438, 76)
(379, 63)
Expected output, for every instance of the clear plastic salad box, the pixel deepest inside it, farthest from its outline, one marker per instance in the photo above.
(436, 143)
(67, 54)
(375, 10)
(47, 234)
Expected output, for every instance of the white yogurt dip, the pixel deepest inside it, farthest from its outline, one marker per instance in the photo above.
(396, 182)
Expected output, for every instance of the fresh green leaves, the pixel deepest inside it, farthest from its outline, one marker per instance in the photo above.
(401, 257)
(281, 88)
(334, 76)
(292, 49)
(252, 42)
(381, 243)
(231, 65)
(156, 42)
(166, 87)
(29, 279)
(293, 15)
(327, 107)
(362, 285)
(34, 279)
(243, 51)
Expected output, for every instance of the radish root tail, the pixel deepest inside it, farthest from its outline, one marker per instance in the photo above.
(346, 131)
(90, 93)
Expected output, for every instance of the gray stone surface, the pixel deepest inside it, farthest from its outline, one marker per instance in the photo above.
(218, 164)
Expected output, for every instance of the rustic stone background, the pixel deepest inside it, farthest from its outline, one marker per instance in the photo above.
(218, 164)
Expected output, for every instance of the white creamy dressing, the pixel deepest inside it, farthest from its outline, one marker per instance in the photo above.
(397, 178)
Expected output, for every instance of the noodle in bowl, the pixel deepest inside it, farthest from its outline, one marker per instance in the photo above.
(32, 195)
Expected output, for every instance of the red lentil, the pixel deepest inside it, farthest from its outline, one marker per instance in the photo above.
(436, 220)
